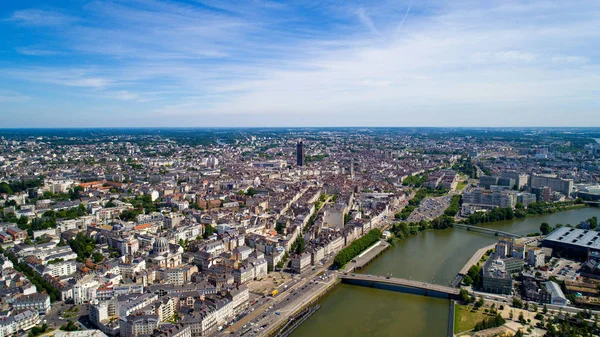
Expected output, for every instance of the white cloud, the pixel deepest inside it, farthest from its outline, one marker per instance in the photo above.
(12, 97)
(31, 51)
(76, 77)
(569, 59)
(504, 56)
(125, 95)
(36, 17)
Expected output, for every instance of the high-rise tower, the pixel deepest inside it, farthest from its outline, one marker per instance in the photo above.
(300, 153)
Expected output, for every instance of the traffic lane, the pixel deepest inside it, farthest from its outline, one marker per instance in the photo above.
(270, 317)
(250, 317)
(276, 320)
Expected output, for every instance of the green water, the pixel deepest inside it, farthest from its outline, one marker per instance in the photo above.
(433, 256)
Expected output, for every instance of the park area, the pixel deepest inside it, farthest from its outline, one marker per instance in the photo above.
(466, 316)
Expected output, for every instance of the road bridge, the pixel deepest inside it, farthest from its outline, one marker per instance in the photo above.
(484, 230)
(401, 285)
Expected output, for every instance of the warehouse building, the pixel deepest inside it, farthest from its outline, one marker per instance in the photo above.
(573, 242)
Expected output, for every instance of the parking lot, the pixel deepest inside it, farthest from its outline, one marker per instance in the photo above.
(430, 208)
(61, 313)
(564, 269)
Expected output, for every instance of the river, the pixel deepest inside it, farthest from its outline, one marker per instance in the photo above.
(434, 256)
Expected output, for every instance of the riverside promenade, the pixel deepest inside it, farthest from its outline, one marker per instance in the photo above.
(472, 261)
(367, 256)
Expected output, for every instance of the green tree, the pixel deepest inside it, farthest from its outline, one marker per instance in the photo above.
(299, 245)
(208, 231)
(82, 246)
(545, 228)
(70, 326)
(5, 188)
(517, 303)
(97, 257)
(280, 227)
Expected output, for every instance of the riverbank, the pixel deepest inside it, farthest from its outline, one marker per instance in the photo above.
(472, 261)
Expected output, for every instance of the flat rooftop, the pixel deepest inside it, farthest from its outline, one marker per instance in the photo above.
(576, 237)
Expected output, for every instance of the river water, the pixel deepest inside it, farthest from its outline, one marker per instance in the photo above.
(435, 257)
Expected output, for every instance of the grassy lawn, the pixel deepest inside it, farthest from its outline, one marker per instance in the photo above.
(461, 185)
(465, 320)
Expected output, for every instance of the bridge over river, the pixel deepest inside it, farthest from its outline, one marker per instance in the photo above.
(486, 230)
(401, 285)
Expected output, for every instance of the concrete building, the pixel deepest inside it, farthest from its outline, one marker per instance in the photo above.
(521, 180)
(493, 198)
(496, 279)
(39, 302)
(300, 153)
(136, 325)
(526, 198)
(85, 289)
(301, 262)
(564, 186)
(487, 181)
(535, 257)
(20, 322)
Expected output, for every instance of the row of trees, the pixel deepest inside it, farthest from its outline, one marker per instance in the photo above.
(454, 207)
(20, 186)
(356, 247)
(48, 219)
(405, 213)
(545, 227)
(38, 281)
(496, 214)
(473, 276)
(488, 323)
(403, 229)
(38, 330)
(299, 245)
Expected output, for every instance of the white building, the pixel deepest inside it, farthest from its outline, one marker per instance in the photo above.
(19, 322)
(39, 302)
(535, 257)
(131, 326)
(85, 289)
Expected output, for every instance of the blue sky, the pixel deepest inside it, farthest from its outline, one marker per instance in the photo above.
(72, 63)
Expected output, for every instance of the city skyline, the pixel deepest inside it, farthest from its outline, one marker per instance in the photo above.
(270, 64)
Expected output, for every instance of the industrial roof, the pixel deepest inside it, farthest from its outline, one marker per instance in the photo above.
(577, 237)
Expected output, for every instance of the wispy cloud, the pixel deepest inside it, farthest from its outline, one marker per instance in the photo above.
(125, 95)
(36, 17)
(31, 51)
(366, 21)
(11, 96)
(75, 77)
